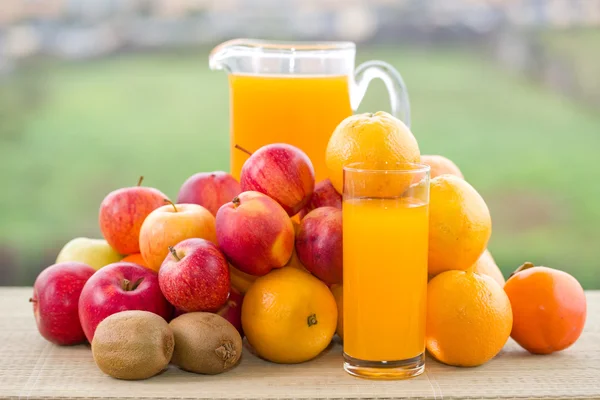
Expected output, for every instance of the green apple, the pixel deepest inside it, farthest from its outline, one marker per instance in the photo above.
(94, 252)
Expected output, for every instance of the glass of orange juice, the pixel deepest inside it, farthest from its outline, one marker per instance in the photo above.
(296, 93)
(385, 237)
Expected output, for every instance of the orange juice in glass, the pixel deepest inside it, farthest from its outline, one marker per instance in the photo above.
(385, 270)
(296, 93)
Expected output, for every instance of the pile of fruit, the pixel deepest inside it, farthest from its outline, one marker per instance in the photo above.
(183, 282)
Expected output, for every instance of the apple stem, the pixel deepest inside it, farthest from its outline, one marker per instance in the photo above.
(171, 203)
(236, 202)
(237, 146)
(174, 252)
(127, 286)
(32, 300)
(311, 320)
(140, 180)
(136, 284)
(526, 265)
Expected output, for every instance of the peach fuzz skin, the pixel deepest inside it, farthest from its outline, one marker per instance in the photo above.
(255, 233)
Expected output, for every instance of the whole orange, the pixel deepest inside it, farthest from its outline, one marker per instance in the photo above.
(289, 316)
(459, 225)
(468, 318)
(440, 165)
(549, 308)
(338, 293)
(486, 265)
(374, 140)
(136, 258)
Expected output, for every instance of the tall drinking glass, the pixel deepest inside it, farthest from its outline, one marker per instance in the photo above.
(386, 224)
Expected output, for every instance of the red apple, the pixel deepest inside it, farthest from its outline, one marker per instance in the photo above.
(122, 213)
(119, 287)
(232, 310)
(195, 276)
(324, 195)
(209, 189)
(255, 233)
(168, 225)
(319, 244)
(282, 172)
(55, 301)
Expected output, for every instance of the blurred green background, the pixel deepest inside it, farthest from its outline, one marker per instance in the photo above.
(523, 125)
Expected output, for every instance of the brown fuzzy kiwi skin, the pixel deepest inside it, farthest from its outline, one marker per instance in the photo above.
(133, 345)
(205, 343)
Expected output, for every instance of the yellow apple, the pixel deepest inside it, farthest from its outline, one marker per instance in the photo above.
(170, 224)
(94, 252)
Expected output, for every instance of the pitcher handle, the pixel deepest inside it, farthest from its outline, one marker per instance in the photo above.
(394, 84)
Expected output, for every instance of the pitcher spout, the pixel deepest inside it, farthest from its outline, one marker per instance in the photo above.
(224, 55)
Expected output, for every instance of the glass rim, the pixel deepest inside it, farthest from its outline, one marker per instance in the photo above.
(415, 168)
(289, 47)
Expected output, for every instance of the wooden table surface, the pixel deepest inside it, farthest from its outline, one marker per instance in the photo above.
(32, 368)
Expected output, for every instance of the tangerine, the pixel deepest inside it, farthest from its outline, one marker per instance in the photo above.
(549, 308)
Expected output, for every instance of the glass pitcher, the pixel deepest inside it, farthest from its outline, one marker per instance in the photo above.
(297, 93)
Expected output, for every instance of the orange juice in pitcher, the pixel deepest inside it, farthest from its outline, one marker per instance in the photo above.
(314, 106)
(296, 93)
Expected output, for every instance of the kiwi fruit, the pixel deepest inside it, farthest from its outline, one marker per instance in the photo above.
(133, 345)
(205, 343)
